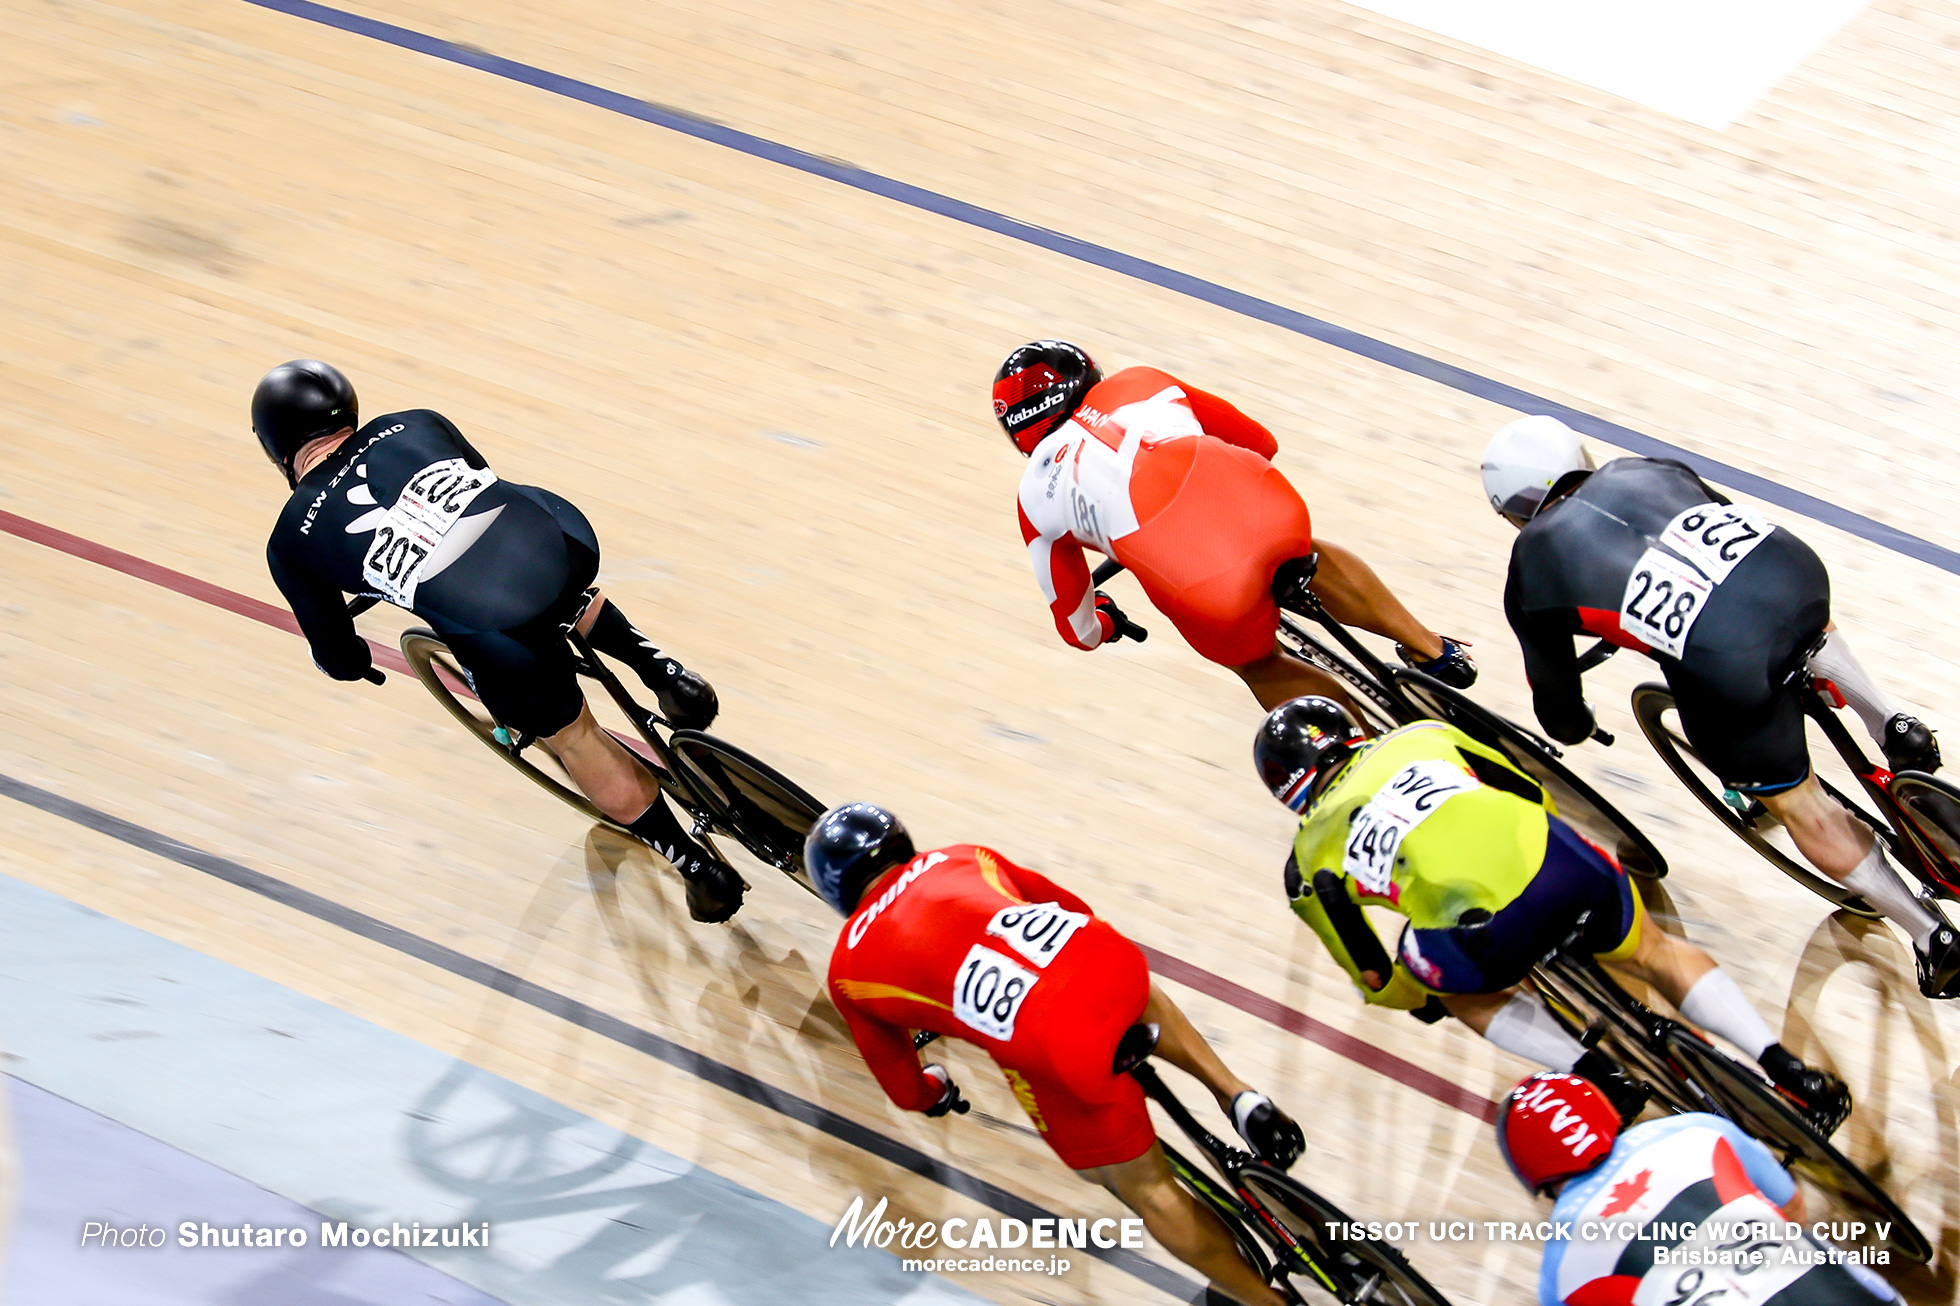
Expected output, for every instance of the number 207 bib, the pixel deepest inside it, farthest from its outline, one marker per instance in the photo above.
(429, 505)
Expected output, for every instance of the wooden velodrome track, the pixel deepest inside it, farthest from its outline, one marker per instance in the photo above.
(768, 390)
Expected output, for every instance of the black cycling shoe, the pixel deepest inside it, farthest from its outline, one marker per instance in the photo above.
(1820, 1095)
(1939, 964)
(1909, 745)
(1273, 1136)
(1455, 668)
(685, 698)
(1627, 1094)
(714, 888)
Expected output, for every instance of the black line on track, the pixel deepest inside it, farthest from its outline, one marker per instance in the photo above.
(553, 1003)
(1129, 265)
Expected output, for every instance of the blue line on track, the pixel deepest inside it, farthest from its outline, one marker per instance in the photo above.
(1156, 274)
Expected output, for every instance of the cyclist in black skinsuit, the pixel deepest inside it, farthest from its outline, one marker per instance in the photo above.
(1645, 555)
(406, 510)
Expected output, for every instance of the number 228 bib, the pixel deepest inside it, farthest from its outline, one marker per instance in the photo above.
(429, 505)
(1664, 595)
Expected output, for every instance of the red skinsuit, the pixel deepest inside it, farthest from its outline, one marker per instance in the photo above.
(1176, 485)
(962, 942)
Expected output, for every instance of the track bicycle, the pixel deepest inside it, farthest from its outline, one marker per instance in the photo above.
(1286, 1231)
(1916, 815)
(1686, 1072)
(722, 788)
(1388, 697)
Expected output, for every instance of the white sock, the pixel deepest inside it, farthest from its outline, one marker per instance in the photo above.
(1881, 886)
(1716, 1004)
(1524, 1028)
(1836, 663)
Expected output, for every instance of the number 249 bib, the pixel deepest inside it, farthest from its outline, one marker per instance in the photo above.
(1378, 827)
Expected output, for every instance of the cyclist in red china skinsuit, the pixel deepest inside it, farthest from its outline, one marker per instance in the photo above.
(1178, 486)
(963, 943)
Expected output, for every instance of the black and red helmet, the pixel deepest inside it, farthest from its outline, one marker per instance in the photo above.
(1038, 387)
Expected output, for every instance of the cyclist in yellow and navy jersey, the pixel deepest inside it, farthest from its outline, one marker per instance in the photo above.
(1431, 824)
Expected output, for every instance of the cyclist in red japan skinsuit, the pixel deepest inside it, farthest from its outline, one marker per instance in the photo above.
(1178, 486)
(963, 943)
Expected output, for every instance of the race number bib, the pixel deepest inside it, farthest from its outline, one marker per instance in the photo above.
(1379, 826)
(1663, 599)
(1036, 930)
(988, 990)
(1715, 537)
(431, 503)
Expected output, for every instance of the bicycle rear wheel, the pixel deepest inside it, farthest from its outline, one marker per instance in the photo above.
(436, 667)
(1578, 802)
(1653, 708)
(1363, 1270)
(1932, 811)
(1379, 711)
(1766, 1115)
(749, 800)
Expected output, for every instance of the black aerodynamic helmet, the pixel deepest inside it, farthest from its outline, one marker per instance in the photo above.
(300, 401)
(849, 847)
(1038, 387)
(1303, 741)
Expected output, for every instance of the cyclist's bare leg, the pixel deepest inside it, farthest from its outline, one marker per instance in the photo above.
(1179, 1043)
(602, 768)
(1355, 596)
(1671, 965)
(1279, 677)
(1829, 837)
(1186, 1228)
(1476, 1010)
(593, 605)
(1839, 844)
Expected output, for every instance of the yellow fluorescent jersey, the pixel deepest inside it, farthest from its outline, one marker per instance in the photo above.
(1425, 821)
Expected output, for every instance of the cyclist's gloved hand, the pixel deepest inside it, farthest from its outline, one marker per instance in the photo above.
(1114, 624)
(950, 1100)
(350, 661)
(1454, 667)
(1271, 1134)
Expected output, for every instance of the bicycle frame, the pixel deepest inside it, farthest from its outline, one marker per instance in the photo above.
(1876, 779)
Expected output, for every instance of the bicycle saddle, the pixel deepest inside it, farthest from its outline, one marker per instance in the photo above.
(1293, 576)
(1134, 1048)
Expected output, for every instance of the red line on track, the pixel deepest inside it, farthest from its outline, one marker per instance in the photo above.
(1276, 1013)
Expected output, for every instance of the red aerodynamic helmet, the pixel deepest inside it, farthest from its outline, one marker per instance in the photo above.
(1038, 387)
(1554, 1126)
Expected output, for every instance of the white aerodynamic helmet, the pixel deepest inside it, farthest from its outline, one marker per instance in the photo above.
(1525, 459)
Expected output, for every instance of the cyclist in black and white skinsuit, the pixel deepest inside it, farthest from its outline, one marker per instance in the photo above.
(406, 510)
(1645, 555)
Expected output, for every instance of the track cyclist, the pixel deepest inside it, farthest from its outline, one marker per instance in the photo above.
(1179, 487)
(962, 942)
(1715, 1209)
(405, 510)
(1645, 555)
(1431, 824)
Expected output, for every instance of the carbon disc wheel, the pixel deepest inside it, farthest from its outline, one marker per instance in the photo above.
(1766, 1115)
(1748, 820)
(436, 667)
(758, 806)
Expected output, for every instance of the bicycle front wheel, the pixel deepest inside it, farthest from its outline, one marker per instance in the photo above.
(755, 804)
(1578, 802)
(1748, 820)
(1766, 1115)
(436, 667)
(1360, 1270)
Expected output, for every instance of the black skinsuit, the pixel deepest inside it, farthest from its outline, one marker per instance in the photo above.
(1578, 567)
(497, 590)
